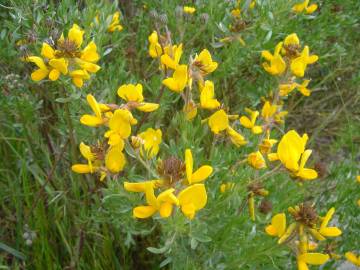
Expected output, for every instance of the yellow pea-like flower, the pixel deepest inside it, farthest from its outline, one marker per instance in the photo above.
(200, 174)
(278, 225)
(155, 49)
(171, 56)
(250, 123)
(115, 23)
(256, 160)
(178, 80)
(218, 121)
(276, 64)
(204, 62)
(299, 64)
(189, 10)
(207, 96)
(151, 139)
(304, 6)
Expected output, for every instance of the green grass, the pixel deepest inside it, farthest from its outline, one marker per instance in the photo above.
(81, 223)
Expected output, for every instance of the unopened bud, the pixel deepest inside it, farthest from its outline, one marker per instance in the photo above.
(163, 18)
(204, 17)
(153, 14)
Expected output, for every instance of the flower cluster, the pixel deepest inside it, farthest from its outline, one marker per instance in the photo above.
(179, 186)
(66, 57)
(307, 228)
(112, 22)
(305, 7)
(107, 158)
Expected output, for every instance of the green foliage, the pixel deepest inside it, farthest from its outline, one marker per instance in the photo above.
(81, 223)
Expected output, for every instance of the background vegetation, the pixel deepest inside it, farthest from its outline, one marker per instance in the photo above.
(81, 223)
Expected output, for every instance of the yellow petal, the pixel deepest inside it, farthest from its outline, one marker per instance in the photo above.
(54, 74)
(292, 39)
(76, 35)
(39, 74)
(235, 137)
(91, 120)
(330, 232)
(148, 107)
(219, 121)
(195, 195)
(131, 92)
(327, 218)
(246, 122)
(279, 223)
(81, 168)
(144, 211)
(311, 9)
(351, 257)
(201, 174)
(314, 258)
(165, 209)
(189, 164)
(89, 53)
(115, 159)
(59, 64)
(47, 51)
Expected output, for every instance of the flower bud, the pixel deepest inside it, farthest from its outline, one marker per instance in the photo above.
(153, 14)
(163, 18)
(204, 18)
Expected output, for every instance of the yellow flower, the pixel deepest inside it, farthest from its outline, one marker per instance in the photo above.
(133, 95)
(236, 12)
(171, 56)
(86, 152)
(204, 62)
(267, 144)
(292, 40)
(277, 64)
(279, 117)
(298, 8)
(151, 139)
(226, 187)
(192, 199)
(256, 160)
(155, 49)
(131, 92)
(250, 122)
(189, 10)
(235, 137)
(291, 150)
(114, 158)
(277, 226)
(299, 64)
(200, 174)
(178, 80)
(190, 110)
(163, 203)
(120, 126)
(218, 121)
(285, 89)
(268, 110)
(329, 231)
(207, 100)
(311, 258)
(351, 257)
(97, 119)
(67, 56)
(78, 77)
(115, 23)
